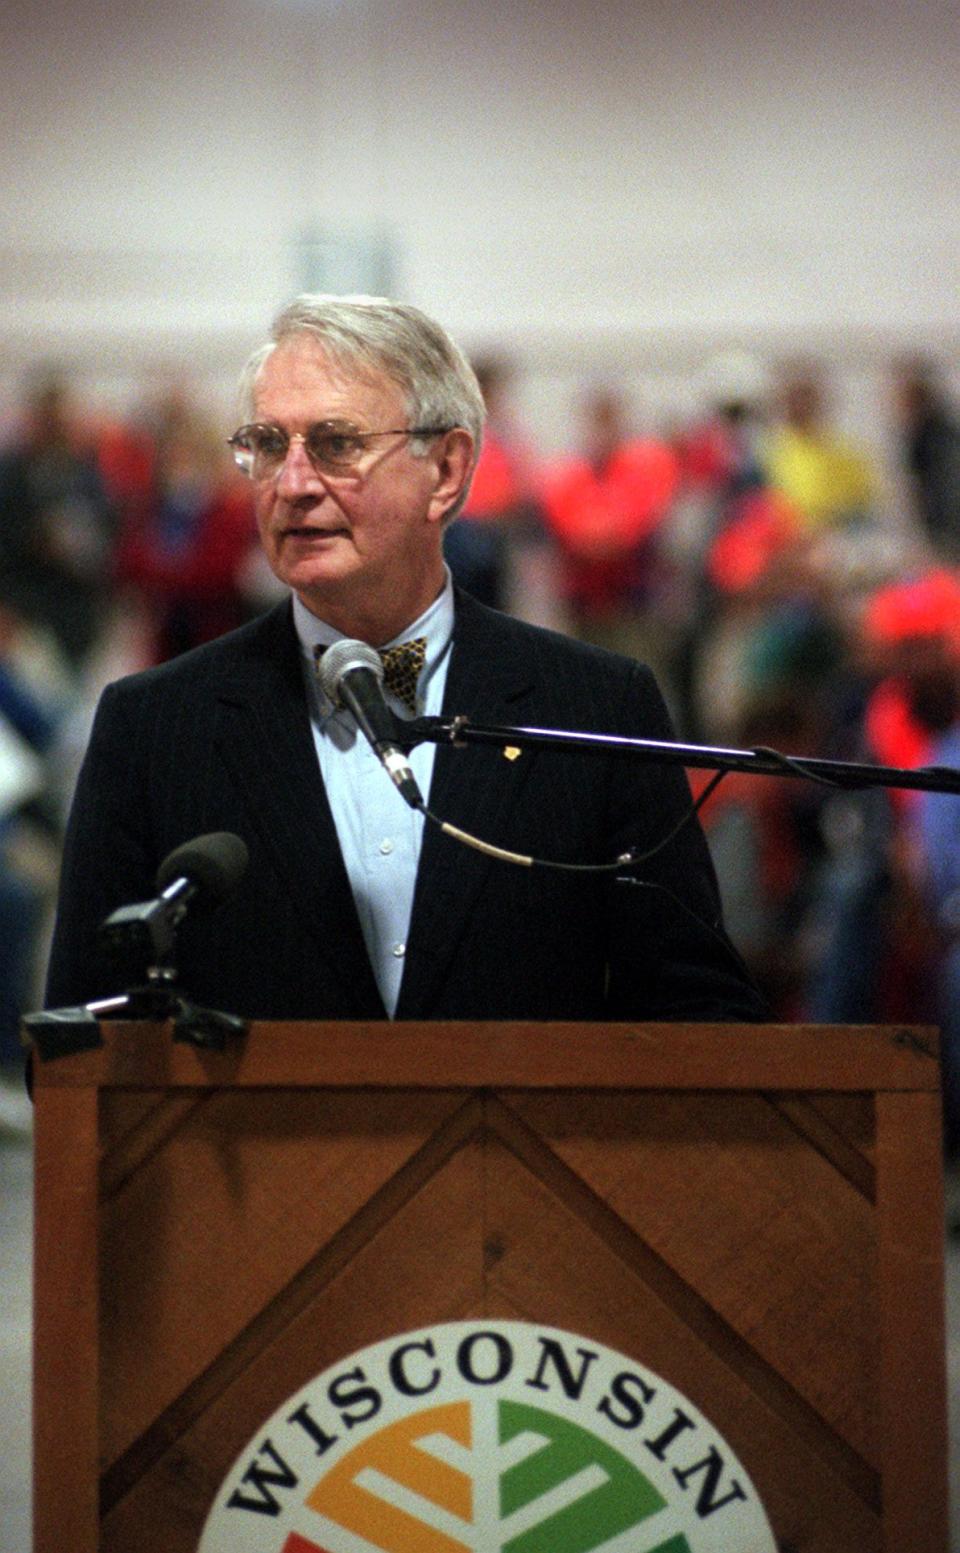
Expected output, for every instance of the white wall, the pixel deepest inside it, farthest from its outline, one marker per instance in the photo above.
(624, 184)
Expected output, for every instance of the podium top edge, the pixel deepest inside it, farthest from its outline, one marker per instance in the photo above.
(510, 1055)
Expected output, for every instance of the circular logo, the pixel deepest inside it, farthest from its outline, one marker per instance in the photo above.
(487, 1437)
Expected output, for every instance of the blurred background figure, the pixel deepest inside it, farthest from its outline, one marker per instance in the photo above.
(912, 718)
(928, 428)
(489, 546)
(911, 646)
(725, 519)
(938, 862)
(722, 453)
(32, 700)
(826, 478)
(188, 533)
(604, 507)
(770, 670)
(58, 527)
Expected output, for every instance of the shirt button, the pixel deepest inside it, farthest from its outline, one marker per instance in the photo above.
(399, 951)
(386, 846)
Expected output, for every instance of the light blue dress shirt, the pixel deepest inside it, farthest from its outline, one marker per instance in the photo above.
(379, 834)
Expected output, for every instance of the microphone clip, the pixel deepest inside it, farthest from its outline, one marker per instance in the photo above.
(147, 930)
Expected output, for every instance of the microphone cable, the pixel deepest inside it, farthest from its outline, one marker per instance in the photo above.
(626, 859)
(788, 764)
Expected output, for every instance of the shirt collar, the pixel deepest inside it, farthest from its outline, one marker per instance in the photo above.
(436, 624)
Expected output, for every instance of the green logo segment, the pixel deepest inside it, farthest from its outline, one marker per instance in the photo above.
(623, 1499)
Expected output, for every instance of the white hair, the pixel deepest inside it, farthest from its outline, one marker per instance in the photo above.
(438, 383)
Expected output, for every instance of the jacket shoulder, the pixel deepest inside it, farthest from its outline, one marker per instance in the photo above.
(266, 639)
(550, 656)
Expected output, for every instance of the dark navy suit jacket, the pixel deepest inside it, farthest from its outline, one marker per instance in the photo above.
(220, 739)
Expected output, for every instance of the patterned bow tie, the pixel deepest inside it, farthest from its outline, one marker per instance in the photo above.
(402, 667)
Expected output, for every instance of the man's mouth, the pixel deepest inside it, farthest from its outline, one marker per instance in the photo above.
(310, 532)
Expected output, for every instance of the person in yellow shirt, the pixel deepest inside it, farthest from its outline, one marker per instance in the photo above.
(826, 479)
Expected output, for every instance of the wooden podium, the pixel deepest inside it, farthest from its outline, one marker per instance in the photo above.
(754, 1213)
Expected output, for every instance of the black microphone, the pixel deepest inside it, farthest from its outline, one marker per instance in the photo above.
(201, 871)
(351, 674)
(209, 866)
(204, 870)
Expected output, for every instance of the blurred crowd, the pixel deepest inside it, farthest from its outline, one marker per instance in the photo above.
(786, 592)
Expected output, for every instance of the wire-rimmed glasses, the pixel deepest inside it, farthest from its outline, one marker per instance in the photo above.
(260, 449)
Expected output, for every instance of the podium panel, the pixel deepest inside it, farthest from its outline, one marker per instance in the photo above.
(753, 1213)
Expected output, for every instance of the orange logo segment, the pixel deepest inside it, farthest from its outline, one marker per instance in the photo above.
(396, 1454)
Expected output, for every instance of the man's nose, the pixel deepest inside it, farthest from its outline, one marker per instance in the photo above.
(296, 474)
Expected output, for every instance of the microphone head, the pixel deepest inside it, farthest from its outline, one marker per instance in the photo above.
(339, 659)
(214, 863)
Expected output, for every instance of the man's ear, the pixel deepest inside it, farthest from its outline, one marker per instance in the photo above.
(453, 461)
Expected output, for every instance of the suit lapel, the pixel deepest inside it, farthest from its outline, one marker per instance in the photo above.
(265, 739)
(472, 788)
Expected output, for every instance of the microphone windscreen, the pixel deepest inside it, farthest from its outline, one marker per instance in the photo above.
(214, 863)
(340, 658)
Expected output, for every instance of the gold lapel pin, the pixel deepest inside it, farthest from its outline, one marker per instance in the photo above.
(510, 751)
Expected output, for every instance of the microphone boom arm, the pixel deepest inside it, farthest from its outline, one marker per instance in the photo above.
(761, 761)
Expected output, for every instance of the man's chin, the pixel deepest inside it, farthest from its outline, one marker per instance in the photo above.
(323, 592)
(327, 567)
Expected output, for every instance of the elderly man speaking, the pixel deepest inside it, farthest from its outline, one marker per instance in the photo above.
(362, 424)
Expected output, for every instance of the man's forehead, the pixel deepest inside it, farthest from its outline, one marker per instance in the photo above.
(302, 368)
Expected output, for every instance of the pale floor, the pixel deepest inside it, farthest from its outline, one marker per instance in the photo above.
(15, 1264)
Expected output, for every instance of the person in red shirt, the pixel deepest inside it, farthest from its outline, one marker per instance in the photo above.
(604, 507)
(188, 539)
